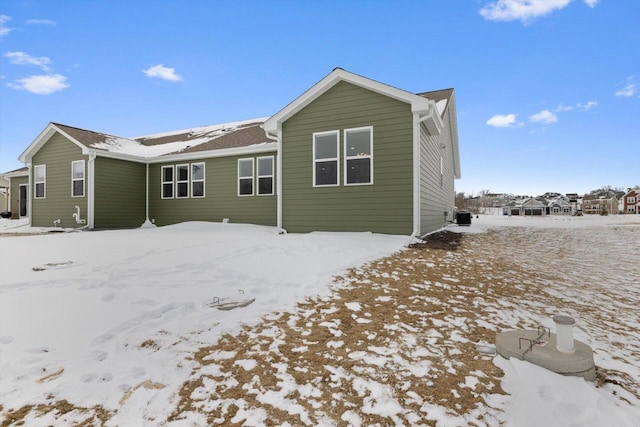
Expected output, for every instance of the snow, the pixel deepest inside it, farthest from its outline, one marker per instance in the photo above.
(119, 327)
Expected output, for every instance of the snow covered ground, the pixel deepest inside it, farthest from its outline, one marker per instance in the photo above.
(118, 328)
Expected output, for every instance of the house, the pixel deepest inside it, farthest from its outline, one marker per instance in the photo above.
(349, 154)
(602, 205)
(631, 201)
(528, 207)
(559, 206)
(17, 192)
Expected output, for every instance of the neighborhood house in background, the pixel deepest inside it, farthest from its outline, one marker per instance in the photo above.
(349, 154)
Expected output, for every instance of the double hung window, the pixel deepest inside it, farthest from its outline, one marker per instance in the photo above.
(167, 182)
(40, 181)
(265, 176)
(197, 179)
(245, 177)
(77, 178)
(358, 156)
(326, 159)
(182, 181)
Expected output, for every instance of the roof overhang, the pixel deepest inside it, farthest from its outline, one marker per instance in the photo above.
(41, 139)
(420, 105)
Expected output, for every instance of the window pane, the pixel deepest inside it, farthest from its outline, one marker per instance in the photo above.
(246, 186)
(265, 185)
(167, 191)
(326, 146)
(39, 173)
(327, 173)
(78, 188)
(40, 190)
(265, 166)
(359, 171)
(183, 189)
(245, 168)
(167, 174)
(197, 189)
(197, 171)
(183, 173)
(78, 170)
(358, 143)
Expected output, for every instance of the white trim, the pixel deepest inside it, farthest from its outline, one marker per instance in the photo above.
(253, 187)
(211, 154)
(416, 176)
(181, 181)
(203, 164)
(258, 176)
(418, 103)
(146, 193)
(163, 182)
(329, 159)
(369, 156)
(26, 200)
(44, 182)
(73, 180)
(91, 191)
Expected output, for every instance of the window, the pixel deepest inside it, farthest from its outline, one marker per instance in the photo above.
(182, 181)
(245, 177)
(265, 176)
(631, 199)
(167, 182)
(197, 179)
(326, 158)
(358, 156)
(40, 181)
(77, 178)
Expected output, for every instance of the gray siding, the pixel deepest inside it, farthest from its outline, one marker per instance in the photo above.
(14, 203)
(437, 193)
(385, 206)
(221, 196)
(57, 154)
(120, 195)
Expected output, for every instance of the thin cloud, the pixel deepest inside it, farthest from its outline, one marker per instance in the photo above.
(503, 121)
(630, 89)
(161, 72)
(589, 105)
(4, 30)
(41, 85)
(561, 108)
(42, 22)
(544, 116)
(525, 10)
(21, 58)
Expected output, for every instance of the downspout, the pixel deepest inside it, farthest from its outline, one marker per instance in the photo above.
(30, 194)
(146, 195)
(90, 192)
(278, 139)
(416, 177)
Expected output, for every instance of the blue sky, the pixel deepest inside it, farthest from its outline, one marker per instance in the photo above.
(547, 91)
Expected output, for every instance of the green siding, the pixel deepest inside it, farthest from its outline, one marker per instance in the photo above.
(384, 207)
(437, 195)
(120, 195)
(57, 154)
(14, 205)
(221, 196)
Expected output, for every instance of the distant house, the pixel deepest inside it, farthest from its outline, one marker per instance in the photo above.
(631, 201)
(525, 207)
(559, 206)
(349, 154)
(593, 204)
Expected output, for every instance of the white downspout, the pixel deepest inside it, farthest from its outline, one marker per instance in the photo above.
(278, 139)
(146, 196)
(30, 193)
(416, 177)
(90, 192)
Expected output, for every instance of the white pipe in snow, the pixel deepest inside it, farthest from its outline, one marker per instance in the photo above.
(564, 333)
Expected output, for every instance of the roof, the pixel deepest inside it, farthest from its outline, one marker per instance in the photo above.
(440, 97)
(232, 135)
(23, 171)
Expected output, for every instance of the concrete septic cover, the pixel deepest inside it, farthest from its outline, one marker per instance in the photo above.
(543, 352)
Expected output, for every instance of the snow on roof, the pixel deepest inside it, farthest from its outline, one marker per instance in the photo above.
(160, 144)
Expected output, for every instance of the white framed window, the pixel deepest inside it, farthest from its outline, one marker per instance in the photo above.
(40, 181)
(358, 156)
(77, 178)
(245, 177)
(182, 181)
(326, 158)
(197, 179)
(265, 176)
(631, 199)
(167, 182)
